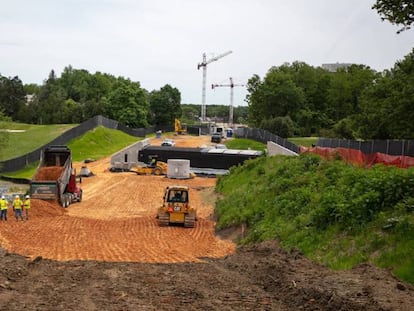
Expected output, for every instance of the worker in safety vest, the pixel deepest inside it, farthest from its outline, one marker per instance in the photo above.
(153, 162)
(26, 205)
(3, 208)
(17, 207)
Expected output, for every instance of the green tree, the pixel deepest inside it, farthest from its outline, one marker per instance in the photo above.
(240, 114)
(276, 96)
(165, 105)
(281, 126)
(190, 113)
(48, 103)
(127, 103)
(397, 12)
(346, 87)
(32, 88)
(12, 96)
(386, 106)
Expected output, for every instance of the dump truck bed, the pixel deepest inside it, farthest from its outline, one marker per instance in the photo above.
(53, 173)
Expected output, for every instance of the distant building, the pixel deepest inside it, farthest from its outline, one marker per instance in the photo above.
(29, 98)
(333, 67)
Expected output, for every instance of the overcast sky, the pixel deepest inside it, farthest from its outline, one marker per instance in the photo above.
(161, 42)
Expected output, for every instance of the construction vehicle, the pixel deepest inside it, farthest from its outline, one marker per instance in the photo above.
(154, 168)
(176, 208)
(55, 178)
(180, 129)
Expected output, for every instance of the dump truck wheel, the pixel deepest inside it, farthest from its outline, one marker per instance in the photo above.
(163, 219)
(189, 220)
(64, 201)
(80, 196)
(67, 199)
(157, 171)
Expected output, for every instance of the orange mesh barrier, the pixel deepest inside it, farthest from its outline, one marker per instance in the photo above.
(357, 157)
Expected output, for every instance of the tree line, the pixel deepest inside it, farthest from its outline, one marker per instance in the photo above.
(353, 102)
(78, 95)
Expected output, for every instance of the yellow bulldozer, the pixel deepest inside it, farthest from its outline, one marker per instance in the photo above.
(154, 168)
(176, 208)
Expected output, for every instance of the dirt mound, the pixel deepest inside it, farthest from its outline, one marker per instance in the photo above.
(49, 173)
(261, 277)
(40, 208)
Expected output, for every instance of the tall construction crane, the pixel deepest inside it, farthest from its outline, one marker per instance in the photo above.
(204, 64)
(231, 85)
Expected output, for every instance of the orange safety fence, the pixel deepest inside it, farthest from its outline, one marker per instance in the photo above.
(357, 157)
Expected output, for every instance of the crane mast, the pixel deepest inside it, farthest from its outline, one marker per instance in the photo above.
(204, 64)
(231, 85)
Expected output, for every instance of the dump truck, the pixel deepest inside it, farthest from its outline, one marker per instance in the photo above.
(55, 178)
(176, 208)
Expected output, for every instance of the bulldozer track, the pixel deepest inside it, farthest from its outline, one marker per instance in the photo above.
(189, 221)
(163, 219)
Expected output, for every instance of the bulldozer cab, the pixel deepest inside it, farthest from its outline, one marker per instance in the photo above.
(179, 196)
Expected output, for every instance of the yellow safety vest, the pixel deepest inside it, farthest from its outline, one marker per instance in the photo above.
(17, 204)
(26, 203)
(3, 204)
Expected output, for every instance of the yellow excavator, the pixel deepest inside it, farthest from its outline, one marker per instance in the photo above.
(176, 207)
(180, 129)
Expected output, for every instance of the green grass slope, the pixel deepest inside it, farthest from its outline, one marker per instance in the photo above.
(18, 138)
(99, 143)
(335, 213)
(95, 144)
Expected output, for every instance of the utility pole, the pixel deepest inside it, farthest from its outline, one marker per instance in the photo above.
(204, 64)
(231, 85)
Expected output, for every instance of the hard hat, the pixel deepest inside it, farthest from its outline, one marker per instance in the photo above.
(17, 197)
(27, 196)
(3, 197)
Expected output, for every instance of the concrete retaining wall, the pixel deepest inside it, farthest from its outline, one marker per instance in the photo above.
(275, 149)
(128, 157)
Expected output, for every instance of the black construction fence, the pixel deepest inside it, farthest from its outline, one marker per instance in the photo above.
(34, 156)
(390, 147)
(265, 136)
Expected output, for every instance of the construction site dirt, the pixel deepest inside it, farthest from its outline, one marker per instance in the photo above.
(108, 253)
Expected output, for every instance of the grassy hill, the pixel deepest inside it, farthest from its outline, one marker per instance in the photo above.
(335, 213)
(95, 144)
(19, 138)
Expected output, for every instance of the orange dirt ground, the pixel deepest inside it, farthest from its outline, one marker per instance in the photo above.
(116, 220)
